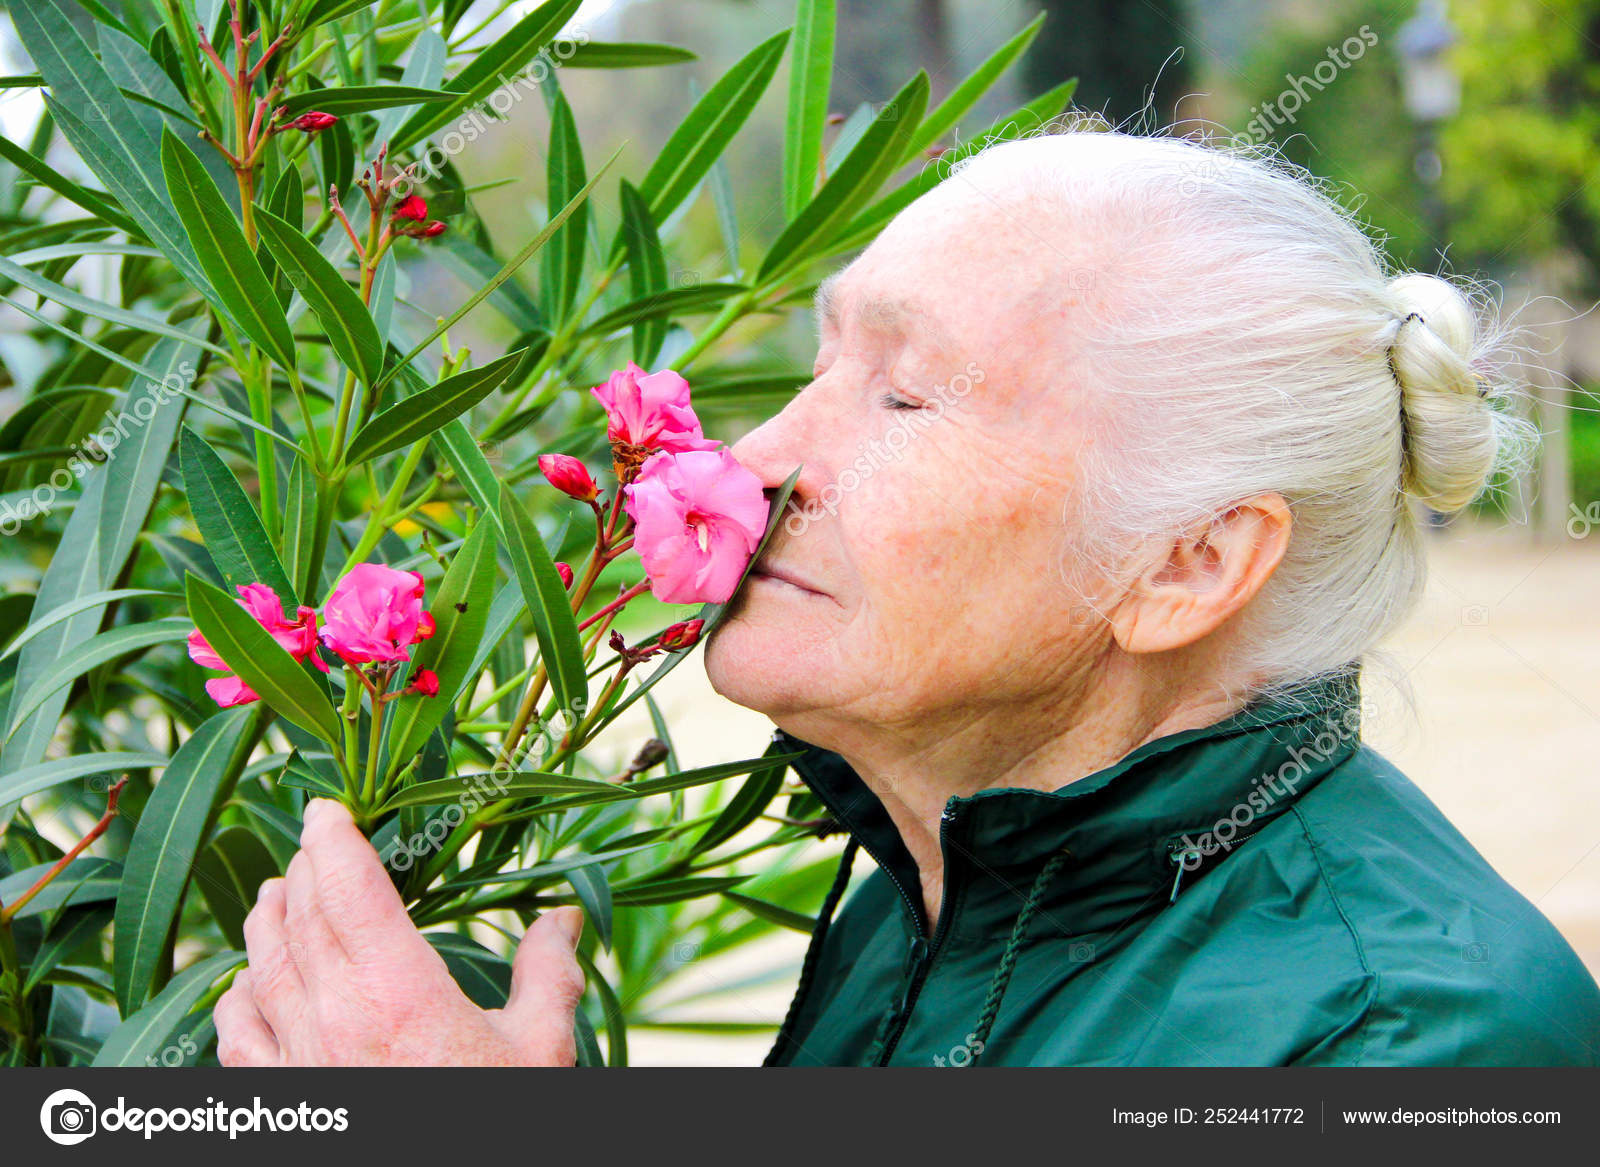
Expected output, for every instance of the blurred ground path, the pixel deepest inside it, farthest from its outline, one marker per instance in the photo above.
(1503, 658)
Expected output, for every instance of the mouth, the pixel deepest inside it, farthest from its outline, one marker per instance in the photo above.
(771, 574)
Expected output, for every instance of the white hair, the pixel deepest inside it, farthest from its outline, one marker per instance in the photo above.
(1241, 334)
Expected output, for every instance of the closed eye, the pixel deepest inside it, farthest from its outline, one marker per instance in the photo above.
(890, 401)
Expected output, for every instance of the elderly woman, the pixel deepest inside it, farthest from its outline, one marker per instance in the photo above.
(1113, 458)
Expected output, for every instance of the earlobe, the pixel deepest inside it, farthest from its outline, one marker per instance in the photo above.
(1207, 576)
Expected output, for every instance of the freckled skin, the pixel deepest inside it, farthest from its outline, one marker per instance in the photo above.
(948, 653)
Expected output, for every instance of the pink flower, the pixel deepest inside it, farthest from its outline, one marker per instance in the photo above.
(651, 409)
(298, 638)
(375, 614)
(568, 475)
(698, 517)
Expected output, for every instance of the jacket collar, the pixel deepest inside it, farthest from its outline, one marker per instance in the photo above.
(1183, 800)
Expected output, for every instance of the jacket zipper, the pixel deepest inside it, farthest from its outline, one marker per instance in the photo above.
(924, 950)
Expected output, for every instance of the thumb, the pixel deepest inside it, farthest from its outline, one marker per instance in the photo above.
(546, 985)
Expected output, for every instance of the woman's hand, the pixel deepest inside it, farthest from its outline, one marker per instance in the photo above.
(338, 974)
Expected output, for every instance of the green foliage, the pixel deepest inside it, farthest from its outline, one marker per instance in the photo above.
(253, 399)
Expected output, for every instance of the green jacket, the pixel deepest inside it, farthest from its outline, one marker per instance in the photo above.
(1262, 891)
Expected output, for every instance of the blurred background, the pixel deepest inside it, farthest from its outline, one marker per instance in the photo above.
(1464, 134)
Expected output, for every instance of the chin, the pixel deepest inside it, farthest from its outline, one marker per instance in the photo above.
(754, 665)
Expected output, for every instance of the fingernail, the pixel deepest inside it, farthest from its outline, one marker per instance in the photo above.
(313, 810)
(571, 924)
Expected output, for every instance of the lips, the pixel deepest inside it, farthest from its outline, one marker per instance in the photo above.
(778, 572)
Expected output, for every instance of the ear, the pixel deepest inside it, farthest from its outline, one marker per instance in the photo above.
(1208, 574)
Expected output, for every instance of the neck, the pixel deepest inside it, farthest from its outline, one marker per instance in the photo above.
(1045, 746)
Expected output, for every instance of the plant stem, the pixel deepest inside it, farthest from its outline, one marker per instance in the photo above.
(9, 912)
(730, 314)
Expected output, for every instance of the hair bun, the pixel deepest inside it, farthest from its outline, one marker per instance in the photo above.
(1450, 437)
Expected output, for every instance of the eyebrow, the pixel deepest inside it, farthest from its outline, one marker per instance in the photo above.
(883, 312)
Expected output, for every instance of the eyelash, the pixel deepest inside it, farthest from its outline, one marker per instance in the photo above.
(889, 401)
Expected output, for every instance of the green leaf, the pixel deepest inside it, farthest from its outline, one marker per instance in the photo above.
(228, 521)
(73, 928)
(472, 469)
(868, 165)
(261, 662)
(966, 95)
(152, 1028)
(239, 286)
(560, 646)
(300, 529)
(165, 842)
(318, 776)
(100, 125)
(414, 418)
(672, 891)
(94, 202)
(482, 75)
(349, 327)
(360, 98)
(562, 261)
(810, 82)
(229, 873)
(625, 55)
(662, 305)
(18, 784)
(483, 976)
(702, 136)
(95, 651)
(56, 615)
(593, 889)
(773, 914)
(647, 272)
(460, 611)
(78, 302)
(488, 787)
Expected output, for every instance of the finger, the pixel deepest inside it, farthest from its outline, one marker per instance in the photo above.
(275, 983)
(357, 899)
(312, 943)
(546, 985)
(243, 1036)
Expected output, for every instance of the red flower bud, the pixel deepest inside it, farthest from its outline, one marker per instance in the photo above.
(411, 207)
(681, 636)
(434, 228)
(312, 122)
(565, 573)
(425, 683)
(568, 475)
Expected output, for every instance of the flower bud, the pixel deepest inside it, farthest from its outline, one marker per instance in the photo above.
(313, 121)
(425, 683)
(411, 207)
(568, 475)
(565, 573)
(680, 636)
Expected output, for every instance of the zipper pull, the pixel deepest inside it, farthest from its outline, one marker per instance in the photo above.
(1181, 857)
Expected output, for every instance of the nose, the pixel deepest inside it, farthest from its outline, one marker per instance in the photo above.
(774, 448)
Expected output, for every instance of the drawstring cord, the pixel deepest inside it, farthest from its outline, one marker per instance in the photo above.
(809, 971)
(1001, 980)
